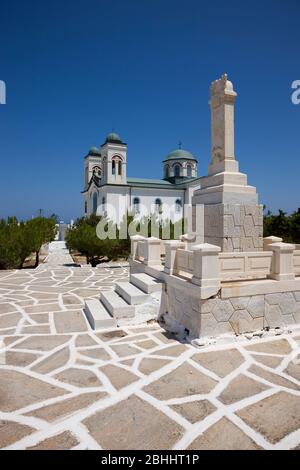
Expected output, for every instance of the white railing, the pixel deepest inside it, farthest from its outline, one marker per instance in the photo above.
(245, 265)
(140, 253)
(184, 262)
(279, 261)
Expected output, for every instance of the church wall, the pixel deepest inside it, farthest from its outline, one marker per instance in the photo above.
(147, 199)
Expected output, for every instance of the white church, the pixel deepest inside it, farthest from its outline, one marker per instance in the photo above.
(109, 192)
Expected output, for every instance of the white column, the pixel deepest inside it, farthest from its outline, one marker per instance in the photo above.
(222, 126)
(206, 266)
(152, 251)
(134, 240)
(269, 240)
(171, 248)
(282, 268)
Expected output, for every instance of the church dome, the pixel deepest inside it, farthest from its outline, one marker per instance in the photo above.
(94, 151)
(114, 138)
(180, 154)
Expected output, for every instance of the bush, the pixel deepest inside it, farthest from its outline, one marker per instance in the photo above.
(282, 225)
(82, 237)
(20, 239)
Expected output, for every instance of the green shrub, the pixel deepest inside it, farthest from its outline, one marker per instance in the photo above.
(82, 237)
(19, 239)
(282, 225)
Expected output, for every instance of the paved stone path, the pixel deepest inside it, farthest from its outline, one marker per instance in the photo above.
(64, 386)
(58, 255)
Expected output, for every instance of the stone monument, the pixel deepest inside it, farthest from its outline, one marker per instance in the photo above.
(232, 217)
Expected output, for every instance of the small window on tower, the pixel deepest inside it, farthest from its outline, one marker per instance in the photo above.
(177, 171)
(189, 171)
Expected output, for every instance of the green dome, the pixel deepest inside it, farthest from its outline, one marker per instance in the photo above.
(180, 154)
(94, 151)
(113, 137)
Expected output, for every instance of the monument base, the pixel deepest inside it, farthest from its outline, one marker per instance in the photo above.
(233, 315)
(234, 227)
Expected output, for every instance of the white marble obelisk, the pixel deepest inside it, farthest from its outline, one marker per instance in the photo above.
(232, 216)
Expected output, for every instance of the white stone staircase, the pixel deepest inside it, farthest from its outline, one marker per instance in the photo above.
(122, 305)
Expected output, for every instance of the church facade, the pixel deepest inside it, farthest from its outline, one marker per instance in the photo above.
(108, 191)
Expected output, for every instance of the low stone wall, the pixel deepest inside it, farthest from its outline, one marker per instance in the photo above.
(235, 315)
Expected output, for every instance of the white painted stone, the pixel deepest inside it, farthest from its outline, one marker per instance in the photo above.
(297, 296)
(273, 316)
(223, 310)
(283, 264)
(285, 300)
(145, 282)
(256, 306)
(207, 306)
(206, 267)
(270, 240)
(116, 306)
(97, 315)
(130, 293)
(170, 256)
(240, 303)
(242, 322)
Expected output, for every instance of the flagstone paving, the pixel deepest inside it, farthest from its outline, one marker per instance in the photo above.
(65, 386)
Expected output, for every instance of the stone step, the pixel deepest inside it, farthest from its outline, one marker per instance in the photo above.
(117, 306)
(145, 282)
(97, 315)
(132, 294)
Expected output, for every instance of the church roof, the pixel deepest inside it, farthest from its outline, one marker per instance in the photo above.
(180, 154)
(94, 151)
(114, 138)
(148, 181)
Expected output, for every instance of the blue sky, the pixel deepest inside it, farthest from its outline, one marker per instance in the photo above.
(76, 69)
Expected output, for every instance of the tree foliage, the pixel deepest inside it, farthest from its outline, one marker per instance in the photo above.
(283, 225)
(83, 238)
(18, 240)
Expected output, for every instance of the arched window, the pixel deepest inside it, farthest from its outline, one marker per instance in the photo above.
(95, 202)
(136, 205)
(116, 165)
(158, 205)
(178, 205)
(166, 171)
(189, 171)
(177, 170)
(97, 171)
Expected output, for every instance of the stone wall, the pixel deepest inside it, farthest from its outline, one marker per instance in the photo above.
(236, 315)
(234, 227)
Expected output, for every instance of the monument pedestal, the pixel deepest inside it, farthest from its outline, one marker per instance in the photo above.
(233, 219)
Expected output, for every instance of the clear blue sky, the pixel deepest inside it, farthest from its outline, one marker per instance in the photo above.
(76, 69)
